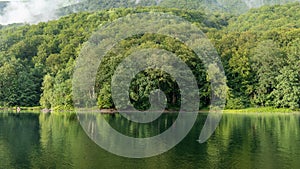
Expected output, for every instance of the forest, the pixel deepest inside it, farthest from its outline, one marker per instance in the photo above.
(259, 49)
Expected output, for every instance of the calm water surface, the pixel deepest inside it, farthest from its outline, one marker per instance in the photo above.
(30, 140)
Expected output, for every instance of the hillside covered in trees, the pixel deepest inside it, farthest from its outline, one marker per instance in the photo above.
(228, 6)
(260, 52)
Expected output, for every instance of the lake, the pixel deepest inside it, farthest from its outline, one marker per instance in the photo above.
(30, 140)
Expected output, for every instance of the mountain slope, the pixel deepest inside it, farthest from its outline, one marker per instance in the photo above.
(36, 61)
(259, 52)
(228, 6)
(268, 18)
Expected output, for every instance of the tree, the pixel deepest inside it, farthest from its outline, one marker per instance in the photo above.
(287, 90)
(267, 61)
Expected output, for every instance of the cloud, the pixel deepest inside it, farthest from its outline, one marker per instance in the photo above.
(32, 11)
(259, 3)
(138, 1)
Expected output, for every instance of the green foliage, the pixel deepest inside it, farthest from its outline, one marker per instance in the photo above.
(104, 97)
(259, 51)
(267, 60)
(278, 17)
(287, 89)
(257, 55)
(260, 110)
(36, 61)
(149, 80)
(18, 84)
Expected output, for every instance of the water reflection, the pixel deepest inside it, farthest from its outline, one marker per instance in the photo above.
(240, 141)
(19, 135)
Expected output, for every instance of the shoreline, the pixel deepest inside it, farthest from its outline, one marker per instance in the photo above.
(114, 111)
(237, 111)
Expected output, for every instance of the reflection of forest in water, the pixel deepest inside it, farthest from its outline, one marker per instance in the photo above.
(240, 141)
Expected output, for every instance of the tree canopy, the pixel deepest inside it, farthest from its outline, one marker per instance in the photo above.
(259, 51)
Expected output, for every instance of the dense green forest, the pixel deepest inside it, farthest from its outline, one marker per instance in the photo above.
(37, 61)
(260, 52)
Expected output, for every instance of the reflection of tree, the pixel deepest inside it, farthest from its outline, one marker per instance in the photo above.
(58, 141)
(19, 135)
(256, 140)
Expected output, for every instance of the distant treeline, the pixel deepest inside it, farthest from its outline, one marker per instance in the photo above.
(228, 6)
